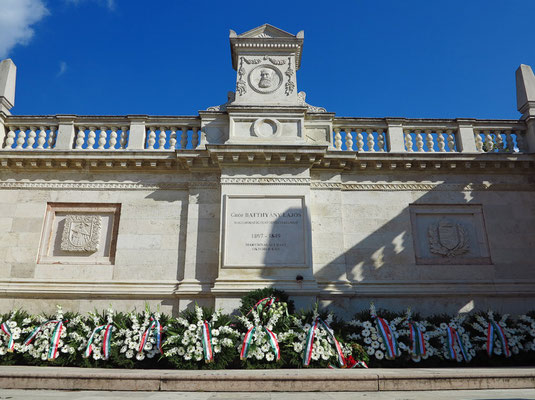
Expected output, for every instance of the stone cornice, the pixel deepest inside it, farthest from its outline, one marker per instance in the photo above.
(45, 185)
(217, 156)
(265, 181)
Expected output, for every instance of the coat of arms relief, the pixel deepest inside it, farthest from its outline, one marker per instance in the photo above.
(81, 233)
(448, 238)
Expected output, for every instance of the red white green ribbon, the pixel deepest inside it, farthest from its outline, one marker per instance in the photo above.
(417, 340)
(309, 344)
(156, 328)
(247, 343)
(339, 352)
(268, 301)
(453, 337)
(11, 344)
(389, 339)
(495, 328)
(106, 341)
(274, 343)
(207, 342)
(54, 342)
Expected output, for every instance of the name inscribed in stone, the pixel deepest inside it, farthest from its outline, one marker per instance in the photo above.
(264, 231)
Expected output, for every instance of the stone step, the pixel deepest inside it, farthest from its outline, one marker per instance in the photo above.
(287, 380)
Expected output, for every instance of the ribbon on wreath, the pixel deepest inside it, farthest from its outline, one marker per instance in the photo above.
(307, 356)
(453, 337)
(388, 337)
(156, 328)
(274, 343)
(417, 339)
(56, 336)
(247, 343)
(207, 342)
(495, 328)
(106, 341)
(11, 343)
(267, 301)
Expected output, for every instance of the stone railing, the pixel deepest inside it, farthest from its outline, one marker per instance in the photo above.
(369, 135)
(428, 136)
(100, 133)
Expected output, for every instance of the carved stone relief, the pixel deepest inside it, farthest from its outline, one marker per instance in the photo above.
(452, 234)
(81, 233)
(448, 238)
(265, 78)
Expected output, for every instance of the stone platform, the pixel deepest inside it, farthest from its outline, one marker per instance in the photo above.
(302, 380)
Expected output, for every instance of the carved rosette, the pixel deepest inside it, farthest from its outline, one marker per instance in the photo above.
(81, 233)
(447, 238)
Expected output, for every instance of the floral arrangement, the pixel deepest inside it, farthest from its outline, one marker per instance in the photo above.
(201, 339)
(266, 335)
(497, 337)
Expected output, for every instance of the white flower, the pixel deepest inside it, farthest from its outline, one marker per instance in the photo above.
(270, 357)
(366, 332)
(215, 332)
(379, 355)
(129, 354)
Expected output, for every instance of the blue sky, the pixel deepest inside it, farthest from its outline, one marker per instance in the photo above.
(417, 59)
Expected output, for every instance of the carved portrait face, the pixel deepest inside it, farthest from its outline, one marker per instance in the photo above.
(265, 79)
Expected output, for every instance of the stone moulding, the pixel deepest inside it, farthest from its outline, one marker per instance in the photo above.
(105, 185)
(504, 187)
(21, 288)
(265, 181)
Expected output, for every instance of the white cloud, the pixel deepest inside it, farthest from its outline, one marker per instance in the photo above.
(108, 3)
(62, 68)
(16, 18)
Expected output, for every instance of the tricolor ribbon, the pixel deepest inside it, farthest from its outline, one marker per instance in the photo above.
(247, 343)
(417, 340)
(274, 343)
(495, 328)
(11, 344)
(309, 346)
(106, 341)
(337, 346)
(453, 337)
(389, 339)
(207, 342)
(54, 343)
(156, 328)
(268, 301)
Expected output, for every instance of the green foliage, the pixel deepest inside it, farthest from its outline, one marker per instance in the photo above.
(250, 299)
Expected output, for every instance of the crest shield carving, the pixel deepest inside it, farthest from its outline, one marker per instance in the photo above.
(81, 233)
(447, 238)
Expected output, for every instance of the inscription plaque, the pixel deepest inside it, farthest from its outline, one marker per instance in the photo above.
(264, 231)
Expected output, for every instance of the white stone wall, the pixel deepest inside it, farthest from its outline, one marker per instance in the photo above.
(168, 245)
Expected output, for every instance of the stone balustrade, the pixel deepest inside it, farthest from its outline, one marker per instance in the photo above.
(172, 137)
(41, 137)
(368, 135)
(99, 133)
(429, 136)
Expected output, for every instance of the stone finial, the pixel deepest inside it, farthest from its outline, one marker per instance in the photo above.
(8, 75)
(525, 90)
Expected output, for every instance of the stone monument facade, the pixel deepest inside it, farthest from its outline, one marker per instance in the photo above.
(266, 190)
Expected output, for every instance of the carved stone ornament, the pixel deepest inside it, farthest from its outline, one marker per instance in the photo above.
(301, 96)
(448, 238)
(267, 127)
(265, 78)
(81, 233)
(241, 86)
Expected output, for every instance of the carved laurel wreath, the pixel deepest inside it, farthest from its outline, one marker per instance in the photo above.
(437, 248)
